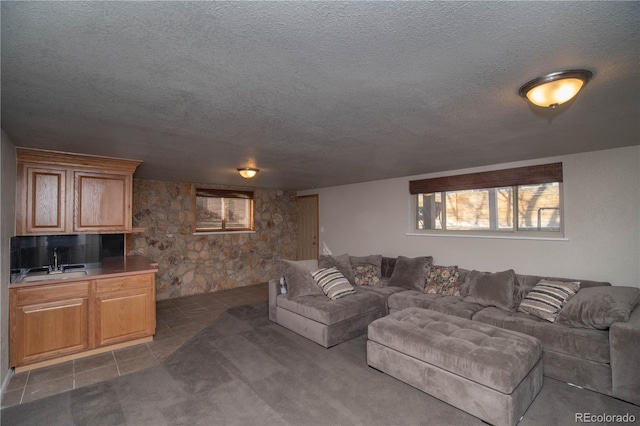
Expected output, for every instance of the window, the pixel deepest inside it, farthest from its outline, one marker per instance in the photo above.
(220, 210)
(526, 200)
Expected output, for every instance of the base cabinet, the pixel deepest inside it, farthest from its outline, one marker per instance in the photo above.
(56, 320)
(124, 309)
(48, 323)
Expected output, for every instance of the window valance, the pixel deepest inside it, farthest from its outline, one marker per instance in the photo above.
(224, 193)
(530, 175)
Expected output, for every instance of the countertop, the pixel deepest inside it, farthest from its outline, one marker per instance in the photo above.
(109, 267)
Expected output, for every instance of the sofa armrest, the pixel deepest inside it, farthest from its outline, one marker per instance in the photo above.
(624, 340)
(274, 291)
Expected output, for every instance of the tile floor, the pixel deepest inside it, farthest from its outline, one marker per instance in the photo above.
(177, 321)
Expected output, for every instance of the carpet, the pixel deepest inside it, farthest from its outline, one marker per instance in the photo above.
(245, 370)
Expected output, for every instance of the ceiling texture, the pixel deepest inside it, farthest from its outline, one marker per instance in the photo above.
(315, 94)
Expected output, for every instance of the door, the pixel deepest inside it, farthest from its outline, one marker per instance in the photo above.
(48, 321)
(46, 201)
(308, 227)
(102, 202)
(124, 308)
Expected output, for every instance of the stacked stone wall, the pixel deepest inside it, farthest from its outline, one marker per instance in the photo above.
(192, 264)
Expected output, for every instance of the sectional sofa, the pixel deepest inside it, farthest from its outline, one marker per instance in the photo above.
(593, 342)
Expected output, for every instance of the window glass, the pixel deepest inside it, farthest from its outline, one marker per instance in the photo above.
(538, 208)
(218, 212)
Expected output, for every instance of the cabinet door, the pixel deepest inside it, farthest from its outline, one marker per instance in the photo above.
(124, 309)
(102, 202)
(46, 201)
(48, 322)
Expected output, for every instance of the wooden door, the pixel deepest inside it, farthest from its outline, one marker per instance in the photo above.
(124, 309)
(46, 201)
(102, 202)
(48, 322)
(308, 227)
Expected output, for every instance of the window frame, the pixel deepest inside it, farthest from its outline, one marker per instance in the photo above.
(467, 184)
(223, 194)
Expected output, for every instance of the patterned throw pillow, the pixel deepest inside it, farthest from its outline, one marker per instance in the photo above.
(547, 298)
(367, 275)
(332, 283)
(442, 280)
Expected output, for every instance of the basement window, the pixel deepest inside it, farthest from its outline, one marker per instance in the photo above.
(222, 210)
(525, 201)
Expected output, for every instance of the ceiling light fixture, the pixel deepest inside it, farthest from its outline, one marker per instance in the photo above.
(248, 172)
(556, 88)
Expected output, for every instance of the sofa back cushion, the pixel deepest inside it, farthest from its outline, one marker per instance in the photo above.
(492, 289)
(524, 284)
(410, 273)
(297, 276)
(547, 298)
(367, 270)
(389, 263)
(599, 306)
(342, 263)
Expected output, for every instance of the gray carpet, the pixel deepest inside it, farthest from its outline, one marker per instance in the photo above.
(245, 370)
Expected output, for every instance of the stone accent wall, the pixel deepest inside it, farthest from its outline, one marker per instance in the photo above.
(191, 264)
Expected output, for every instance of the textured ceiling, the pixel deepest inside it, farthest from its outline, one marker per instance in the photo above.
(315, 94)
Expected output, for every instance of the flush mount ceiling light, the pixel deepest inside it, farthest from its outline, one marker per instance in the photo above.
(556, 88)
(248, 172)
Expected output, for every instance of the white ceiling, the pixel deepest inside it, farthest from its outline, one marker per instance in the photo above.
(315, 94)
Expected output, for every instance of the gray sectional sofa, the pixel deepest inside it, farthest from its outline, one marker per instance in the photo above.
(594, 343)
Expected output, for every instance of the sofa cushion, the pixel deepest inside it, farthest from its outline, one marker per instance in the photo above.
(384, 291)
(389, 264)
(580, 343)
(342, 263)
(442, 280)
(326, 311)
(297, 276)
(452, 305)
(367, 270)
(491, 356)
(410, 273)
(493, 289)
(547, 298)
(332, 283)
(599, 307)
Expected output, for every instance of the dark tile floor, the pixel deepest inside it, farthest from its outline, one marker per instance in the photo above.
(177, 321)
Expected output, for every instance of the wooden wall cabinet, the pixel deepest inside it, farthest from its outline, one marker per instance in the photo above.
(62, 193)
(51, 321)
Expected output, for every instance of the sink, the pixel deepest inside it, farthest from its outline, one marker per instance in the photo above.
(60, 276)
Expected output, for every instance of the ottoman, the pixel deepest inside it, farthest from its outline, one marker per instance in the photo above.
(491, 373)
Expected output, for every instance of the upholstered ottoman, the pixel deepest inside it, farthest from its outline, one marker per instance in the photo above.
(491, 373)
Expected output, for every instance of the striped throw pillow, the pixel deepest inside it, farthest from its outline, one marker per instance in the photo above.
(547, 298)
(332, 282)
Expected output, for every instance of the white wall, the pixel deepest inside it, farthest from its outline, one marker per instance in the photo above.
(7, 230)
(601, 213)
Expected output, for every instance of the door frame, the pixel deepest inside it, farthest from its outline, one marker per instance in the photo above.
(317, 197)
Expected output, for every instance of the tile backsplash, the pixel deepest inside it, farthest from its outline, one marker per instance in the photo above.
(37, 251)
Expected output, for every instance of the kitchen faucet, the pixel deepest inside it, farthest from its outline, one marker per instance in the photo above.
(55, 268)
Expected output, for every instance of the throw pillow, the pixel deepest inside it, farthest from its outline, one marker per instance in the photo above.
(409, 273)
(547, 298)
(493, 289)
(298, 279)
(442, 280)
(367, 270)
(599, 307)
(332, 283)
(342, 263)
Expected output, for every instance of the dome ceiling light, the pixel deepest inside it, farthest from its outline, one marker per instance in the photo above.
(556, 88)
(248, 172)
